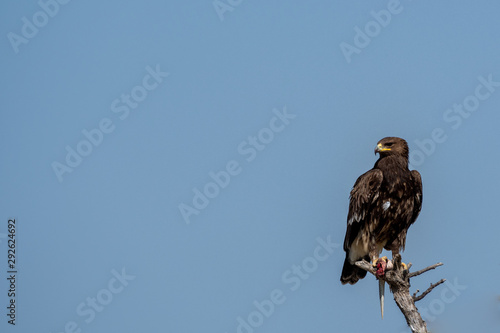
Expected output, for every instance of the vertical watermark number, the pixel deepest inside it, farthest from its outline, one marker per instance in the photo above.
(11, 271)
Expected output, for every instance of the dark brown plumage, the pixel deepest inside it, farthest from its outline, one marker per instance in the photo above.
(384, 202)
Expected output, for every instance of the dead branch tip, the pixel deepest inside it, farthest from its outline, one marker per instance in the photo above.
(418, 298)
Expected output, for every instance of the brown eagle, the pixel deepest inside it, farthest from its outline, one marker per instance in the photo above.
(384, 202)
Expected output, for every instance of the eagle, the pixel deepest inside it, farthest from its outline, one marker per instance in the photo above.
(384, 202)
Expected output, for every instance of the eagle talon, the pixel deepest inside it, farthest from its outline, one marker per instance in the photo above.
(405, 267)
(375, 260)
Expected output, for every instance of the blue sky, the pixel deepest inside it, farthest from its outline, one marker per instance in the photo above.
(185, 166)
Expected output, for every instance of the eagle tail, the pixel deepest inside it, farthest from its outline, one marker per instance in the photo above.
(352, 273)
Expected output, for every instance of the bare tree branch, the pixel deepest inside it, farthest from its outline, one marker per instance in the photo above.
(398, 280)
(418, 298)
(425, 269)
(366, 266)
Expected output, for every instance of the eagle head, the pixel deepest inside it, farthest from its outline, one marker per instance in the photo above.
(392, 146)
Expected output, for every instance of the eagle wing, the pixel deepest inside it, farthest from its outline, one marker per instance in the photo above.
(408, 212)
(363, 194)
(417, 204)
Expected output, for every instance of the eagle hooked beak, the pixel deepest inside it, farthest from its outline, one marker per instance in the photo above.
(381, 148)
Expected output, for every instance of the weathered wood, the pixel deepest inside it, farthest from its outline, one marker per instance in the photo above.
(425, 269)
(433, 285)
(398, 280)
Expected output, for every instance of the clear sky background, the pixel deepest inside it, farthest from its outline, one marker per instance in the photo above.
(288, 99)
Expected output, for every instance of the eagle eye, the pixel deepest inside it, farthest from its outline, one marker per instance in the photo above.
(389, 144)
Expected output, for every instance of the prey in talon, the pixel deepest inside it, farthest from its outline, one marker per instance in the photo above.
(381, 265)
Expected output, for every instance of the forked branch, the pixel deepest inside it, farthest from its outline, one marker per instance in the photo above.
(398, 280)
(433, 285)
